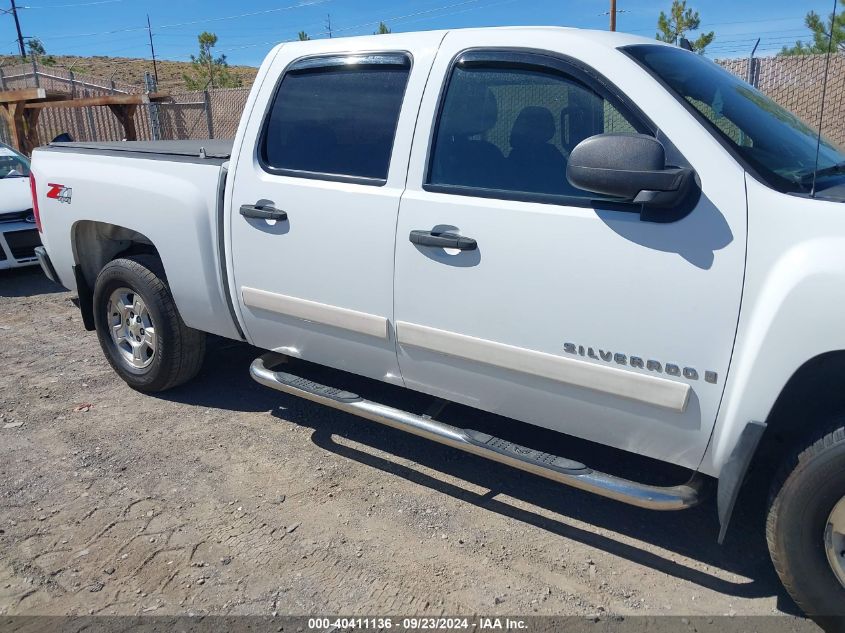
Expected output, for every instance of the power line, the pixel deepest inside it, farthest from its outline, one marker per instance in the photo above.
(748, 43)
(298, 5)
(744, 37)
(314, 29)
(11, 53)
(302, 4)
(362, 25)
(709, 24)
(392, 20)
(766, 41)
(73, 6)
(464, 10)
(331, 30)
(733, 43)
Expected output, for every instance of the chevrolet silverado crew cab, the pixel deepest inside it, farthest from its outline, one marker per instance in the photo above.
(591, 232)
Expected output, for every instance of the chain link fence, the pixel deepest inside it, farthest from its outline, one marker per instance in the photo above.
(794, 82)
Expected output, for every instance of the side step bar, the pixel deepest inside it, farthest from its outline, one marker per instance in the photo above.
(546, 465)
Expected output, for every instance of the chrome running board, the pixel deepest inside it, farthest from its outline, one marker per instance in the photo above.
(546, 465)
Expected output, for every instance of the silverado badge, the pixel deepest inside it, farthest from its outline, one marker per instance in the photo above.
(638, 362)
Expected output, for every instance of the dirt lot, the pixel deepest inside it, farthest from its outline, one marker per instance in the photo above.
(225, 497)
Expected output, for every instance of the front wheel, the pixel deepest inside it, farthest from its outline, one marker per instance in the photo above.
(806, 524)
(139, 327)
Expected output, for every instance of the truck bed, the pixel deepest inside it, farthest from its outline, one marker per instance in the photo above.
(166, 193)
(215, 151)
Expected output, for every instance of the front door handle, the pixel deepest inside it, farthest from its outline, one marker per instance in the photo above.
(263, 212)
(442, 240)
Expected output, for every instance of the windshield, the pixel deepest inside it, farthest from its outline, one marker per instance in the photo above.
(12, 164)
(775, 143)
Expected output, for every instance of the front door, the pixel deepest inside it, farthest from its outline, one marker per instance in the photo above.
(554, 306)
(314, 205)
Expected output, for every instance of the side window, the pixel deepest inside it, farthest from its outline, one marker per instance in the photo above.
(336, 117)
(512, 128)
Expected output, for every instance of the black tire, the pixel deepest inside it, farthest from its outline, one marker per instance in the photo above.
(810, 483)
(179, 349)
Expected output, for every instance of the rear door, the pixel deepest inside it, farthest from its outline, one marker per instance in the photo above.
(564, 309)
(316, 196)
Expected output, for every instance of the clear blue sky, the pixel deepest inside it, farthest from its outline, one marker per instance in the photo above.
(247, 29)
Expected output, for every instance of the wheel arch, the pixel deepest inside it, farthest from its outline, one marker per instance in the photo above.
(811, 397)
(94, 245)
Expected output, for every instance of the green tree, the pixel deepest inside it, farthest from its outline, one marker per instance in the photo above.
(208, 71)
(303, 36)
(821, 35)
(678, 23)
(38, 53)
(383, 29)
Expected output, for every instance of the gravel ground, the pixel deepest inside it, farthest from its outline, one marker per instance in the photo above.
(224, 497)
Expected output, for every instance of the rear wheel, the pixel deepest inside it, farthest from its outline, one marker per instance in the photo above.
(806, 524)
(139, 327)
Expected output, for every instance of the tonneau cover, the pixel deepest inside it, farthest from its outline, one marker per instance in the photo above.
(203, 148)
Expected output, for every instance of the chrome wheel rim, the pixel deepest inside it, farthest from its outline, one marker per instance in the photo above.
(132, 329)
(834, 540)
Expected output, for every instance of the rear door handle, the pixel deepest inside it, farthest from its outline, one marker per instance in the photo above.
(263, 212)
(442, 240)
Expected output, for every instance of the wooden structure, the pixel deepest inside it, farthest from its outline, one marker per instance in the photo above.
(20, 109)
(20, 121)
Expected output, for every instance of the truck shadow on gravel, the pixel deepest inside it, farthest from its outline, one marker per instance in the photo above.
(26, 282)
(225, 383)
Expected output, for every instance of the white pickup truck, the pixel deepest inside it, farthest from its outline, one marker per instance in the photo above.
(590, 232)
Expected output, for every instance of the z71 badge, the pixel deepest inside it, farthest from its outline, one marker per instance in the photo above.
(60, 193)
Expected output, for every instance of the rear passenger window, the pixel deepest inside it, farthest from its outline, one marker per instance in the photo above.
(336, 117)
(512, 129)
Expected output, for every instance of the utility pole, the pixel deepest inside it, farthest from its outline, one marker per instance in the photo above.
(612, 15)
(18, 27)
(329, 24)
(152, 48)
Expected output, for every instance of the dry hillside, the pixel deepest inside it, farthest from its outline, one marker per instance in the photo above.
(132, 70)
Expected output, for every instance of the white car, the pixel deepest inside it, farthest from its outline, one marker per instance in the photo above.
(18, 234)
(591, 232)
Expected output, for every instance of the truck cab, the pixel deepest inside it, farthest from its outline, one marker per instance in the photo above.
(468, 134)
